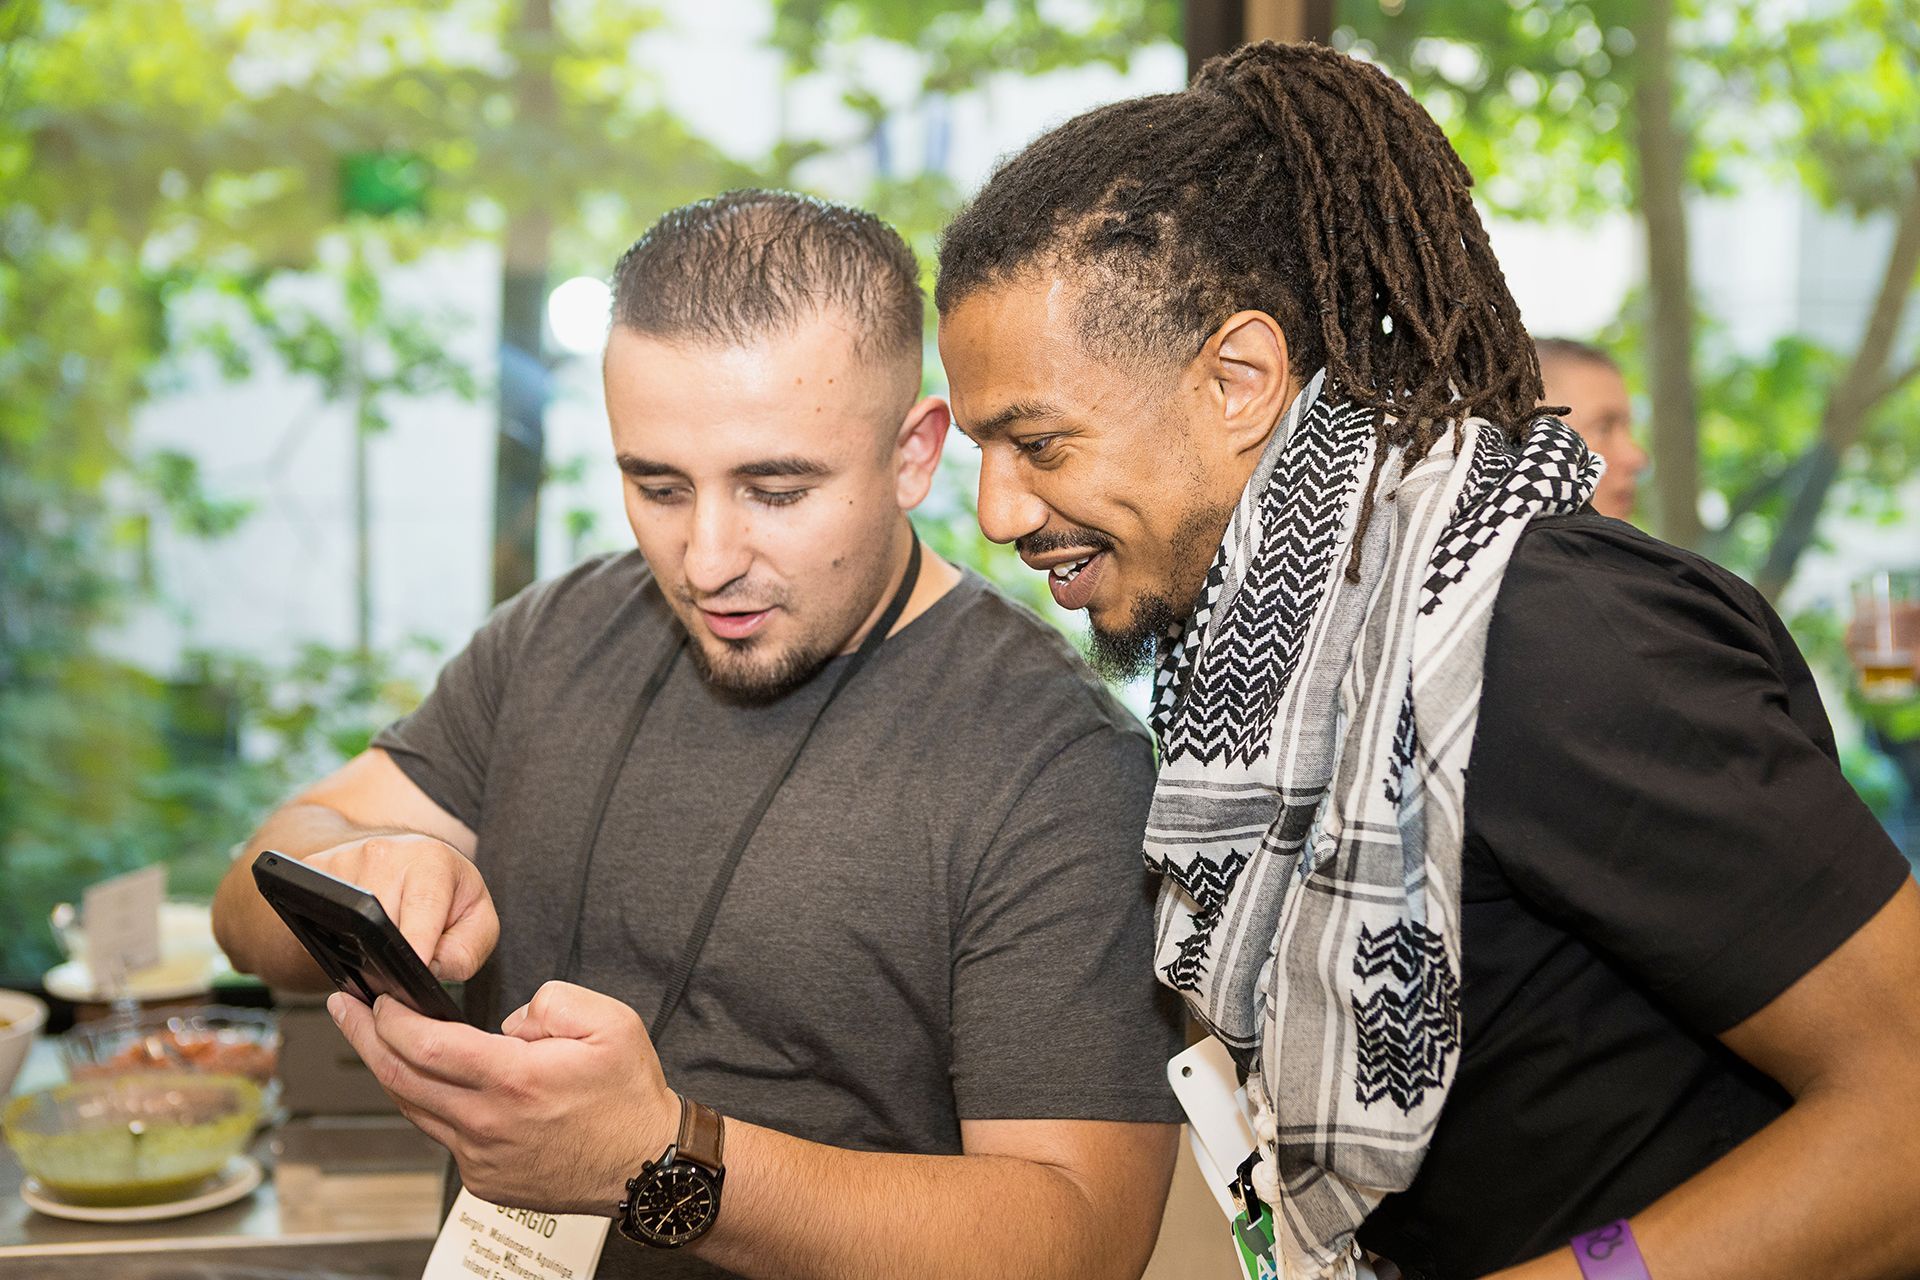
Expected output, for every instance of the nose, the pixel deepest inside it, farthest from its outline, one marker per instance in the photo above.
(1008, 509)
(718, 548)
(1632, 457)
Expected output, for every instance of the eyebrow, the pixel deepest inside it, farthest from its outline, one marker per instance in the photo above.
(793, 466)
(1020, 410)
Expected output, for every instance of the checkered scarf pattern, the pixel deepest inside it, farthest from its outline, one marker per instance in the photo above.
(1315, 733)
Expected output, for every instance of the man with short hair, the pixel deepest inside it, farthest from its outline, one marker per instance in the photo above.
(1587, 381)
(853, 832)
(1504, 845)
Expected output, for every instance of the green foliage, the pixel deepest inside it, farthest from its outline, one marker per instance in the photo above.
(1847, 79)
(1541, 101)
(360, 348)
(172, 170)
(108, 768)
(964, 42)
(1536, 97)
(174, 478)
(1760, 417)
(156, 153)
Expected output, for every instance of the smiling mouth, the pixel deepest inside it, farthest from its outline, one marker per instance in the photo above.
(1068, 572)
(1073, 583)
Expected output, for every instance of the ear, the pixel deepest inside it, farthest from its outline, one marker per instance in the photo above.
(1252, 379)
(917, 448)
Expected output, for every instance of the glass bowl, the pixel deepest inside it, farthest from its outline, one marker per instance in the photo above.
(141, 1138)
(21, 1018)
(216, 1039)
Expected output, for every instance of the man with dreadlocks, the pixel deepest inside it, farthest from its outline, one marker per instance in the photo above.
(1503, 845)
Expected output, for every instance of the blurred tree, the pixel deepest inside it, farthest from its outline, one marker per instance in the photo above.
(151, 150)
(1568, 108)
(161, 155)
(363, 349)
(527, 244)
(902, 62)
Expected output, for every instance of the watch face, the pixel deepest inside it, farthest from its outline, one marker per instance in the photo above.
(675, 1203)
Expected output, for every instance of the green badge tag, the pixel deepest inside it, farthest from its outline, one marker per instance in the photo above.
(1254, 1242)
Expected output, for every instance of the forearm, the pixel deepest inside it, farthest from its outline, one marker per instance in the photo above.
(247, 929)
(1828, 1189)
(801, 1210)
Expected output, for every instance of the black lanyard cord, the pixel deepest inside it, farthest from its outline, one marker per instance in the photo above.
(604, 792)
(682, 972)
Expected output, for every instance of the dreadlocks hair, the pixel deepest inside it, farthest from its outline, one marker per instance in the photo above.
(1288, 179)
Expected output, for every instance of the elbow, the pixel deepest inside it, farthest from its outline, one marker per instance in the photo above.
(227, 934)
(1114, 1235)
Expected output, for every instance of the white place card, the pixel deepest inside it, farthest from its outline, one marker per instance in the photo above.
(121, 917)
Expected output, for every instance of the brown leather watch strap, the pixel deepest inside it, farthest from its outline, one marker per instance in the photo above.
(703, 1134)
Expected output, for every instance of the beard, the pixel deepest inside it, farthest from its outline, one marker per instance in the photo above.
(1131, 651)
(759, 670)
(740, 676)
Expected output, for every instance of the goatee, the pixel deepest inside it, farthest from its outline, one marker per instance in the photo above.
(749, 684)
(1131, 651)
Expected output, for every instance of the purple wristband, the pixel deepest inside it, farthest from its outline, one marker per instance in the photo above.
(1609, 1253)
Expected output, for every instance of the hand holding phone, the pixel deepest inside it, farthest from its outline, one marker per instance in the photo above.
(348, 930)
(432, 892)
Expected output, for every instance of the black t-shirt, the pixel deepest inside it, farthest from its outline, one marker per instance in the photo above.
(1659, 841)
(943, 915)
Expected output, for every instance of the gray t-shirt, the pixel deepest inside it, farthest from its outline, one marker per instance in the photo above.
(942, 916)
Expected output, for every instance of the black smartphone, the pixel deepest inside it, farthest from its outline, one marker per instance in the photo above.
(347, 932)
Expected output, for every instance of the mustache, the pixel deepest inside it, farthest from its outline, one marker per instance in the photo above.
(1048, 540)
(735, 597)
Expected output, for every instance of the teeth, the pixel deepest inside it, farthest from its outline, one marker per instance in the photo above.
(1068, 572)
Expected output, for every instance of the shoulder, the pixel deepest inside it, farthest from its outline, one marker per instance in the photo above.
(596, 583)
(617, 586)
(1023, 667)
(1592, 589)
(1007, 686)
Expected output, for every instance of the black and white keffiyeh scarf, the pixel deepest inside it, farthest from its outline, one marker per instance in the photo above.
(1314, 735)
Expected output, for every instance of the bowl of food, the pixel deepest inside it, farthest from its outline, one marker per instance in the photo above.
(216, 1039)
(141, 1138)
(21, 1017)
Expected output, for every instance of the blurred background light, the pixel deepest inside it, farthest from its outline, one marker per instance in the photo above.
(577, 312)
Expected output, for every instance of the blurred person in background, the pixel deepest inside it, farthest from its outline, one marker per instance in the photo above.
(1587, 380)
(1505, 846)
(921, 1038)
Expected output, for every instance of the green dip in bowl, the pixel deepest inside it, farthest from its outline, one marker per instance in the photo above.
(142, 1138)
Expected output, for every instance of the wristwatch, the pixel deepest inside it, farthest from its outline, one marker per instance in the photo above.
(675, 1200)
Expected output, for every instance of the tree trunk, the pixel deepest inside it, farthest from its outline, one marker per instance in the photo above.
(1212, 27)
(362, 500)
(520, 453)
(1662, 164)
(1851, 403)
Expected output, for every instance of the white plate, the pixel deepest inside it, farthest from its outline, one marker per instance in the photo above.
(234, 1182)
(190, 960)
(175, 978)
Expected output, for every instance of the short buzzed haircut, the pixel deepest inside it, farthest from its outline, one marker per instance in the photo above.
(752, 264)
(1573, 351)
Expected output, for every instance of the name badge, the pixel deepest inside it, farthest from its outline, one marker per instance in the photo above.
(495, 1243)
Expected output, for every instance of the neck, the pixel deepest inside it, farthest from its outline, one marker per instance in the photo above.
(937, 577)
